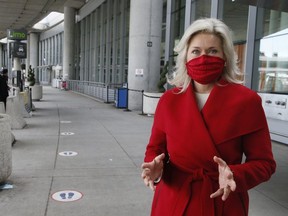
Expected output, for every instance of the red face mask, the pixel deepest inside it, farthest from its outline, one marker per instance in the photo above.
(205, 69)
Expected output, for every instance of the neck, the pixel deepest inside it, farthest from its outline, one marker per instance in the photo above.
(200, 88)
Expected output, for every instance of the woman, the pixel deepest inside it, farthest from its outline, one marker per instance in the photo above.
(203, 127)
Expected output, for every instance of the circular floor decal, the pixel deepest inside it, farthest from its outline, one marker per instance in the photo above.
(65, 122)
(68, 153)
(67, 133)
(67, 196)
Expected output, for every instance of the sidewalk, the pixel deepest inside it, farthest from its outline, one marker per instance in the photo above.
(110, 144)
(99, 171)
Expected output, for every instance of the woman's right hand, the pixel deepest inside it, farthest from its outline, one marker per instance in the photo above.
(152, 171)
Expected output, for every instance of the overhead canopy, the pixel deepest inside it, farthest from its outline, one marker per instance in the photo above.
(23, 14)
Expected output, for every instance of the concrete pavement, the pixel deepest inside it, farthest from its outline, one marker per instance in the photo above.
(98, 173)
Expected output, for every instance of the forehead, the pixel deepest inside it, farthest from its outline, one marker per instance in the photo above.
(204, 38)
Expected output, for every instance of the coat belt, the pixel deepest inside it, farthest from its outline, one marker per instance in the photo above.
(207, 203)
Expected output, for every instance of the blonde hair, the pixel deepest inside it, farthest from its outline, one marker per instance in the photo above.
(231, 72)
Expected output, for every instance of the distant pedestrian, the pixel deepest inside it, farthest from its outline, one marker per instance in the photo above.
(4, 88)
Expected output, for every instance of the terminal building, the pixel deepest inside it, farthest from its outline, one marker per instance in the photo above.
(97, 46)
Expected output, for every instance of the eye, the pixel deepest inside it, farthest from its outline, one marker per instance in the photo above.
(213, 51)
(195, 52)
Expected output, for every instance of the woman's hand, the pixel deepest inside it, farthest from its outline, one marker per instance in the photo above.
(152, 171)
(226, 180)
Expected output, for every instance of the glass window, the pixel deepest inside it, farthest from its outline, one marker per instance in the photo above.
(178, 18)
(273, 59)
(127, 18)
(235, 15)
(201, 9)
(179, 4)
(163, 35)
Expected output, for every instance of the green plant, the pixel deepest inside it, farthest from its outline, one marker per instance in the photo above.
(163, 78)
(31, 76)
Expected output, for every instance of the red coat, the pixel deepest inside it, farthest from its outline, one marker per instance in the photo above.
(231, 123)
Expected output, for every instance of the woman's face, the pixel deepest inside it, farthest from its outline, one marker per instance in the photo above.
(204, 44)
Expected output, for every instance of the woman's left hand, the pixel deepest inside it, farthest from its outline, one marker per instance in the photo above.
(226, 180)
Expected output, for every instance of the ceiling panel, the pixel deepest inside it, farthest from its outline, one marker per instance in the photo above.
(17, 14)
(23, 14)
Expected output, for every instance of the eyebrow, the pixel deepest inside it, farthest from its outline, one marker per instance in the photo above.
(196, 47)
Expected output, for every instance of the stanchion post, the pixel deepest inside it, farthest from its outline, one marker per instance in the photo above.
(107, 93)
(127, 100)
(142, 102)
(30, 95)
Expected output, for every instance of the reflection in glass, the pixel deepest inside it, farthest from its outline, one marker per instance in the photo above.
(202, 8)
(235, 15)
(273, 63)
(274, 21)
(178, 17)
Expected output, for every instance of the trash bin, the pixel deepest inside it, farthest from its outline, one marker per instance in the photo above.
(121, 97)
(64, 85)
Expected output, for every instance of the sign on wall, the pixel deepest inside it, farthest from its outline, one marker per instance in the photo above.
(139, 72)
(16, 34)
(18, 50)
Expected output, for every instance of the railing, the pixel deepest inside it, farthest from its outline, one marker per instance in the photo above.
(107, 93)
(101, 91)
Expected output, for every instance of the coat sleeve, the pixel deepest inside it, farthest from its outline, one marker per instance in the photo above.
(157, 141)
(259, 164)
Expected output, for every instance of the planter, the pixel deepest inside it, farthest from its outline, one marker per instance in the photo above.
(37, 92)
(150, 101)
(5, 148)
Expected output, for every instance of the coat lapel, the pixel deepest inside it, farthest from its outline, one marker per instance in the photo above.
(194, 143)
(227, 108)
